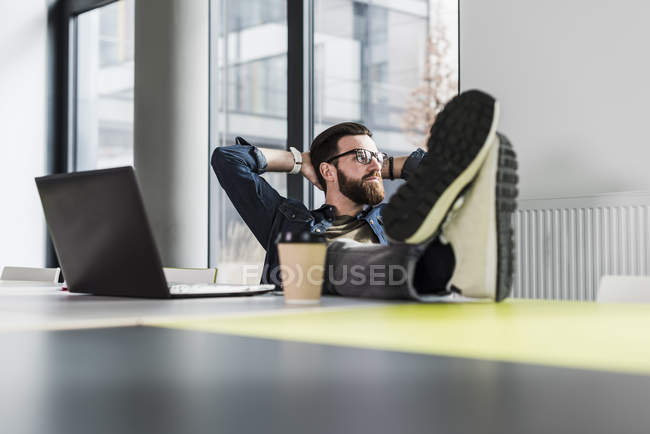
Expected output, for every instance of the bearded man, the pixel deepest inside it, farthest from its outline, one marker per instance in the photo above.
(448, 227)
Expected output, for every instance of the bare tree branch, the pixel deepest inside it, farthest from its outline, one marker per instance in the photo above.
(439, 84)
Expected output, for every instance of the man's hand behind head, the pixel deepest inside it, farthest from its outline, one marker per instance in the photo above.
(308, 170)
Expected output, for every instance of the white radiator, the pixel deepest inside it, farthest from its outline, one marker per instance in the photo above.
(564, 246)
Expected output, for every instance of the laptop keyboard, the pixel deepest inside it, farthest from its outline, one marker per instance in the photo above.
(206, 288)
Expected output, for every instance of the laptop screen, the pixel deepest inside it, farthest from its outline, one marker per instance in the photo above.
(101, 234)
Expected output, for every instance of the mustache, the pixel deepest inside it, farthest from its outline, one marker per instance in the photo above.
(370, 175)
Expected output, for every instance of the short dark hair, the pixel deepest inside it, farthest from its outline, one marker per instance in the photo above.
(325, 145)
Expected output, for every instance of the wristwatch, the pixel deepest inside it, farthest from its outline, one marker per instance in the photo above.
(297, 160)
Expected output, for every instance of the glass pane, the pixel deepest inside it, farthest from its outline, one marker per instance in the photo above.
(249, 99)
(104, 88)
(389, 66)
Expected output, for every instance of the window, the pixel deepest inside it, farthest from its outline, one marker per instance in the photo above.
(249, 99)
(388, 65)
(102, 97)
(259, 87)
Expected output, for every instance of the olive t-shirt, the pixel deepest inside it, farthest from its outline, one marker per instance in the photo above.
(345, 226)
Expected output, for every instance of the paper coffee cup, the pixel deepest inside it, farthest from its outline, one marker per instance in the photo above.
(302, 267)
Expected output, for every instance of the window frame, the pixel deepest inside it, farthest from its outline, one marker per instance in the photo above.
(61, 86)
(300, 89)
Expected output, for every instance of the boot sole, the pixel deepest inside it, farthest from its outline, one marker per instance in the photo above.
(458, 145)
(506, 204)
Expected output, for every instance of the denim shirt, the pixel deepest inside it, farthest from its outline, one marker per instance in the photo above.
(267, 214)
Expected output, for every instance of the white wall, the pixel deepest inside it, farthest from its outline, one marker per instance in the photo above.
(171, 151)
(23, 27)
(572, 78)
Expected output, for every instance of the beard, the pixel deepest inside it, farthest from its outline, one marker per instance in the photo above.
(361, 191)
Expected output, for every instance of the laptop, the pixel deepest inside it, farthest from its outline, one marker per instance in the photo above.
(103, 240)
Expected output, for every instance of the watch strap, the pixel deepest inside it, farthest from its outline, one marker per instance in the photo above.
(297, 161)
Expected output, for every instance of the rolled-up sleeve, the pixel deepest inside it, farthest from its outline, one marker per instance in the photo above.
(238, 169)
(412, 162)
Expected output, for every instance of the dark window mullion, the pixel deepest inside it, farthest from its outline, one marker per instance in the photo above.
(73, 94)
(61, 117)
(295, 85)
(309, 40)
(300, 90)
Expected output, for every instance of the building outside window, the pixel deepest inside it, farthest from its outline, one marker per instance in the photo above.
(102, 75)
(249, 99)
(387, 65)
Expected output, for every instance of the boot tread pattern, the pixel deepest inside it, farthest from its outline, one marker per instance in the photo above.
(456, 138)
(506, 194)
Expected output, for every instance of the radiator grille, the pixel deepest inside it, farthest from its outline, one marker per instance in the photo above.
(563, 250)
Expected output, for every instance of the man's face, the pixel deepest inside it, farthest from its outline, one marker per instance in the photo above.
(361, 183)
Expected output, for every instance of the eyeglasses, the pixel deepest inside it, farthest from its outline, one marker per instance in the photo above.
(364, 156)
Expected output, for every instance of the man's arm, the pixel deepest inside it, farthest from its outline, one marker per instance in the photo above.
(282, 161)
(277, 160)
(238, 169)
(403, 166)
(398, 164)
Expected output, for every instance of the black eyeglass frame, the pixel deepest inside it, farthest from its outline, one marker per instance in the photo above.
(358, 152)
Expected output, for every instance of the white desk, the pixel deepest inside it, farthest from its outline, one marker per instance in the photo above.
(30, 305)
(166, 380)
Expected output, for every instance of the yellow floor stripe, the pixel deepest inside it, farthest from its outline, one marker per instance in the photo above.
(569, 334)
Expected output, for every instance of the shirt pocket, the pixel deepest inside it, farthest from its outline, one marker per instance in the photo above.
(296, 215)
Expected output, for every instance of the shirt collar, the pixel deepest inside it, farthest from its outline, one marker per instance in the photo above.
(329, 211)
(364, 212)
